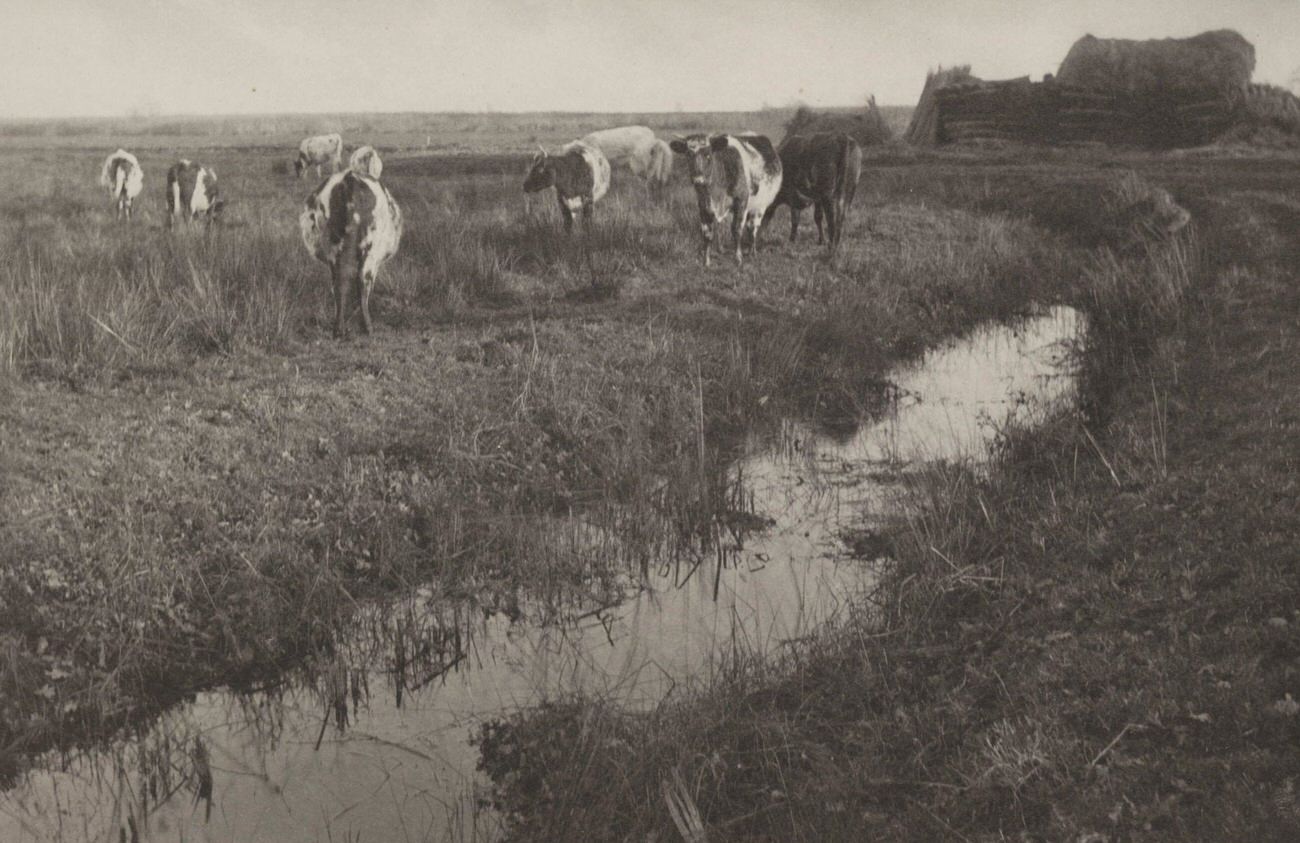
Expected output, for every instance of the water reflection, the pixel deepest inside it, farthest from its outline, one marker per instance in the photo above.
(372, 742)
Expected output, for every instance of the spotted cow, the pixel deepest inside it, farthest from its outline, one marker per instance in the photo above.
(352, 225)
(192, 193)
(579, 174)
(738, 175)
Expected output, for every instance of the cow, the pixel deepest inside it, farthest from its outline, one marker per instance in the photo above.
(366, 161)
(124, 179)
(638, 150)
(317, 151)
(738, 175)
(351, 224)
(579, 174)
(192, 193)
(821, 170)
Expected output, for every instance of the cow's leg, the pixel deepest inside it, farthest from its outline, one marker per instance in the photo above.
(340, 295)
(737, 226)
(820, 212)
(839, 209)
(588, 209)
(794, 222)
(568, 216)
(706, 238)
(365, 282)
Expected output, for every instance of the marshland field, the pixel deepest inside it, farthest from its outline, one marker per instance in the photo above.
(254, 580)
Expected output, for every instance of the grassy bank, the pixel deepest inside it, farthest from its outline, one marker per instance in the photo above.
(200, 485)
(1097, 641)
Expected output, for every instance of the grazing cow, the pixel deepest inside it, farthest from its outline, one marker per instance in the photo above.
(637, 149)
(320, 150)
(579, 174)
(192, 193)
(124, 179)
(733, 174)
(366, 161)
(821, 170)
(352, 224)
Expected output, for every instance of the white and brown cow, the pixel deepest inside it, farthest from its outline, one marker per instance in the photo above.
(124, 179)
(738, 175)
(366, 161)
(352, 225)
(192, 193)
(579, 174)
(638, 150)
(317, 151)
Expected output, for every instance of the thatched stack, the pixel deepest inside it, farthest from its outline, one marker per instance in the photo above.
(923, 130)
(867, 127)
(1211, 64)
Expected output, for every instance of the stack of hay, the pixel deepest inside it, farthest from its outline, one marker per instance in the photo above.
(1163, 93)
(923, 130)
(1179, 91)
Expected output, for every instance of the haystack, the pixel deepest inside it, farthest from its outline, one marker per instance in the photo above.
(1218, 63)
(923, 130)
(867, 127)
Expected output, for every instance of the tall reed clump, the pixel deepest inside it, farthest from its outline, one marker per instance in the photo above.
(81, 302)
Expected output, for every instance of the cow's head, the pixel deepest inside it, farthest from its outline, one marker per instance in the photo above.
(542, 173)
(698, 150)
(214, 213)
(300, 165)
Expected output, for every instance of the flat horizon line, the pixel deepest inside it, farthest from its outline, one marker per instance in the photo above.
(451, 113)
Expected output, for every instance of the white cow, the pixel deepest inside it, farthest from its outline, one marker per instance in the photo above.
(352, 225)
(638, 150)
(192, 193)
(318, 151)
(366, 161)
(124, 179)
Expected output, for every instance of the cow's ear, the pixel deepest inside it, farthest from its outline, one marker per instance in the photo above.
(678, 145)
(718, 143)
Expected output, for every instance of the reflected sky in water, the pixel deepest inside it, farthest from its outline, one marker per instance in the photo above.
(283, 770)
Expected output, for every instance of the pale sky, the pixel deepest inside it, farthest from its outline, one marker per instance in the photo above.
(117, 57)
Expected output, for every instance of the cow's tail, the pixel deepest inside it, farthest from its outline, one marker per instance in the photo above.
(661, 165)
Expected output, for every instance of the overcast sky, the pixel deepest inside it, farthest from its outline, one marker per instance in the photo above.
(117, 57)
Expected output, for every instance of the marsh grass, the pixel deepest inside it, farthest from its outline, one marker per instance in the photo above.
(535, 411)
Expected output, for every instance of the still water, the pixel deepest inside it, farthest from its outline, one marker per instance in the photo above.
(375, 742)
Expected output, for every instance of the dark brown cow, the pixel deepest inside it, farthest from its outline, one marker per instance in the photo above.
(821, 170)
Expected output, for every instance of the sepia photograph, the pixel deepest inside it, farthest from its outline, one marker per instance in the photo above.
(649, 421)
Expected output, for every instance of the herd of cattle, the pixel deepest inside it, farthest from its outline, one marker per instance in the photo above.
(351, 223)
